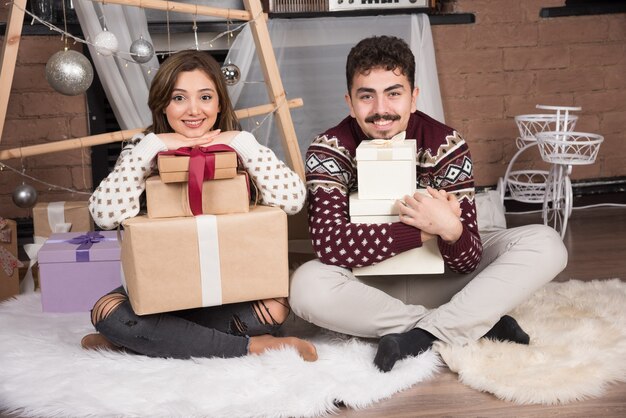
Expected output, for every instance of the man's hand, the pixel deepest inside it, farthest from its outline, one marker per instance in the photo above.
(173, 141)
(435, 215)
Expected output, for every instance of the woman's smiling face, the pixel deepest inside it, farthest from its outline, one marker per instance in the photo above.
(194, 105)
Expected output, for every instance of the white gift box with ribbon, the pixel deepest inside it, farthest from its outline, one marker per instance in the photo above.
(208, 260)
(386, 168)
(423, 260)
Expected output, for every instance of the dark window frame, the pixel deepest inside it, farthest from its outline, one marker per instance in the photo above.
(584, 8)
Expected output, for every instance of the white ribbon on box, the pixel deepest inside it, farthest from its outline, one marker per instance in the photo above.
(209, 256)
(385, 149)
(56, 220)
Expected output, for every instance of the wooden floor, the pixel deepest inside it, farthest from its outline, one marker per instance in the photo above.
(596, 240)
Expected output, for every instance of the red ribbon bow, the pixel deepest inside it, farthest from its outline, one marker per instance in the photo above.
(201, 168)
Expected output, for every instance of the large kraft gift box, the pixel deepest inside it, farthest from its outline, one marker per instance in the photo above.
(423, 260)
(208, 260)
(386, 168)
(168, 200)
(175, 168)
(9, 264)
(77, 268)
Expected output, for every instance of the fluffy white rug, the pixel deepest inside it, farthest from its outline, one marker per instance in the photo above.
(577, 347)
(44, 372)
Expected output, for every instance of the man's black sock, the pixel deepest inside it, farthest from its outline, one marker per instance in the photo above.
(394, 347)
(507, 329)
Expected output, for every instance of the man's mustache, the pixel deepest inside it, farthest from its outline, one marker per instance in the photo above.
(377, 116)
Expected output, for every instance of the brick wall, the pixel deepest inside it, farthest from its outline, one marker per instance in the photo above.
(511, 59)
(37, 114)
(501, 66)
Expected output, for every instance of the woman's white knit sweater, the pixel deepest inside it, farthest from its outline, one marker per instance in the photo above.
(118, 195)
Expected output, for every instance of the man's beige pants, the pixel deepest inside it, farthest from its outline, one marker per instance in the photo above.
(456, 308)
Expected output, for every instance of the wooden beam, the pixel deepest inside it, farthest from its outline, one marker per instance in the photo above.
(11, 44)
(107, 138)
(274, 85)
(172, 6)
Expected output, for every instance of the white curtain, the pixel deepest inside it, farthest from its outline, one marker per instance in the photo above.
(311, 55)
(125, 83)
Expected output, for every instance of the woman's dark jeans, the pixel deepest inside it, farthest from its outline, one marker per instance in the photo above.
(201, 332)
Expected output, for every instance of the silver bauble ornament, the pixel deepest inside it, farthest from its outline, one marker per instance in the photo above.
(141, 50)
(69, 72)
(25, 196)
(232, 74)
(106, 43)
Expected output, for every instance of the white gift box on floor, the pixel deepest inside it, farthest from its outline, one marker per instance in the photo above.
(423, 260)
(386, 168)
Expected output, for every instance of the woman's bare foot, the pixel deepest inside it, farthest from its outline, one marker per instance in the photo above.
(260, 343)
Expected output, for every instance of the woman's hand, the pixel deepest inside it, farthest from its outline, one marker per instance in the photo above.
(173, 141)
(437, 214)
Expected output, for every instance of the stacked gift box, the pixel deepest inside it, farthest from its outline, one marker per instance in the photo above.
(386, 171)
(72, 264)
(201, 243)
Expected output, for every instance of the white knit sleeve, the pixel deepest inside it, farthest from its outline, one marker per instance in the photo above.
(117, 196)
(277, 184)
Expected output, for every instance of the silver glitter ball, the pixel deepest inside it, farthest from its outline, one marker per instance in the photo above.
(69, 72)
(232, 74)
(141, 50)
(106, 43)
(25, 196)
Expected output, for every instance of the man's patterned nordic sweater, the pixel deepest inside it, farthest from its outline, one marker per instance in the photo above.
(443, 162)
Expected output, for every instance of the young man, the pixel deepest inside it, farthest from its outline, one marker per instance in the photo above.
(486, 276)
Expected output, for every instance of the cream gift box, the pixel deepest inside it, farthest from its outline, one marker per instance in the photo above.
(423, 260)
(386, 168)
(9, 264)
(175, 168)
(189, 262)
(77, 268)
(168, 200)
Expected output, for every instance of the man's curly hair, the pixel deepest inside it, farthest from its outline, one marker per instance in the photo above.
(386, 52)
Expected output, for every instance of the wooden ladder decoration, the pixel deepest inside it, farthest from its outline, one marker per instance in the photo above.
(253, 12)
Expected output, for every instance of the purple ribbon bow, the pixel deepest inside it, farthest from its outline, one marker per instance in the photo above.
(84, 243)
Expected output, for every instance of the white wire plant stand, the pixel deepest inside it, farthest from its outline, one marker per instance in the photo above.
(553, 134)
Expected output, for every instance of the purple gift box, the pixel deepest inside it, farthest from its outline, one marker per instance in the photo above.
(77, 268)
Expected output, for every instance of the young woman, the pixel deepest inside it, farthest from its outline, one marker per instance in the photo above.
(190, 107)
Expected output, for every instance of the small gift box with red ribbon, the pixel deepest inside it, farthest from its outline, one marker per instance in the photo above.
(215, 259)
(77, 268)
(197, 166)
(206, 163)
(9, 264)
(219, 197)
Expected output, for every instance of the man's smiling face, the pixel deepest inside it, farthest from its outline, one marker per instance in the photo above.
(381, 101)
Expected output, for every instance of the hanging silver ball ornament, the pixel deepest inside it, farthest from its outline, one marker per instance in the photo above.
(141, 50)
(232, 74)
(25, 196)
(106, 43)
(69, 72)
